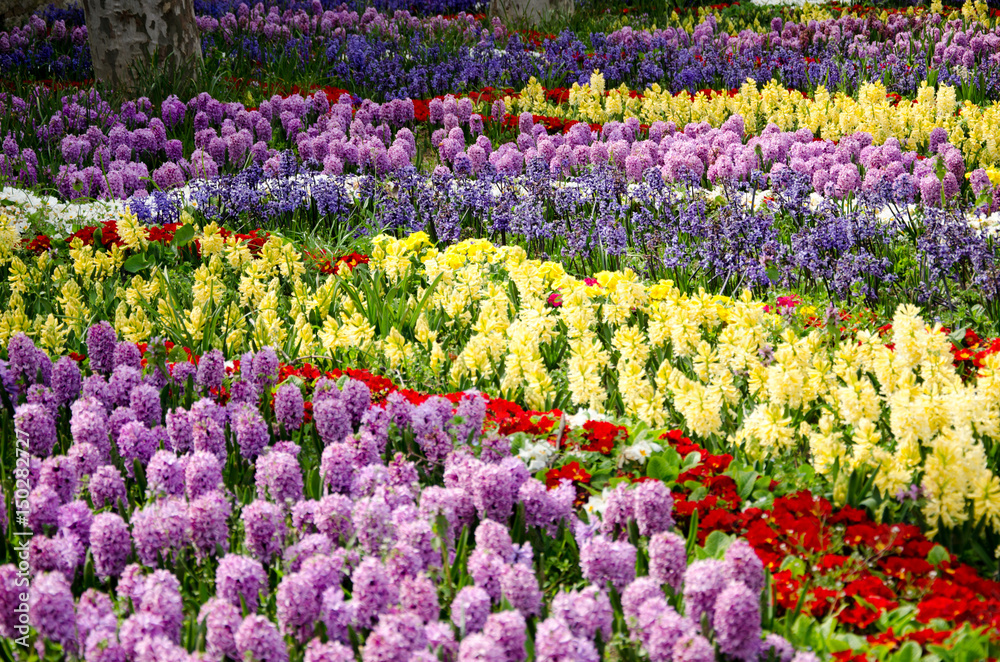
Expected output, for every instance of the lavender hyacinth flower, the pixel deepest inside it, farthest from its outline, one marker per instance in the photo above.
(211, 370)
(60, 473)
(741, 564)
(289, 406)
(107, 487)
(34, 423)
(10, 592)
(239, 577)
(372, 522)
(161, 597)
(777, 648)
(257, 638)
(480, 648)
(470, 414)
(315, 544)
(101, 342)
(519, 587)
(127, 353)
(51, 609)
(264, 371)
(179, 431)
(337, 614)
(208, 515)
(160, 529)
(485, 567)
(373, 592)
(86, 456)
(509, 630)
(298, 605)
(135, 442)
(251, 431)
(737, 622)
(24, 358)
(693, 648)
(165, 474)
(43, 508)
(337, 467)
(221, 619)
(619, 509)
(586, 612)
(654, 506)
(493, 491)
(419, 595)
(495, 537)
(89, 425)
(94, 611)
(207, 435)
(264, 529)
(663, 629)
(667, 559)
(137, 628)
(395, 637)
(120, 385)
(332, 420)
(333, 651)
(332, 516)
(323, 570)
(110, 545)
(703, 581)
(203, 473)
(357, 399)
(469, 609)
(547, 508)
(636, 595)
(555, 643)
(76, 518)
(605, 561)
(279, 476)
(67, 380)
(399, 409)
(144, 400)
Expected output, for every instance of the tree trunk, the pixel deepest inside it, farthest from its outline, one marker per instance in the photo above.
(125, 32)
(516, 13)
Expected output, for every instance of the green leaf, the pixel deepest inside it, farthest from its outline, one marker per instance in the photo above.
(599, 480)
(177, 355)
(793, 563)
(136, 263)
(745, 482)
(909, 652)
(698, 494)
(183, 235)
(938, 555)
(691, 460)
(656, 467)
(717, 543)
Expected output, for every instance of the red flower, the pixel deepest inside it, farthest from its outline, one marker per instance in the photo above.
(602, 436)
(572, 471)
(164, 233)
(39, 244)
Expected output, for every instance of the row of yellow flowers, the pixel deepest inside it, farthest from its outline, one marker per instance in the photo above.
(483, 316)
(733, 23)
(974, 129)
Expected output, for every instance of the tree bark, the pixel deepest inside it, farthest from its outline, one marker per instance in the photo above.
(531, 12)
(125, 32)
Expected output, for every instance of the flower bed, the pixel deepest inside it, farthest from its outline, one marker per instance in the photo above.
(368, 540)
(647, 334)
